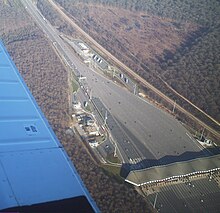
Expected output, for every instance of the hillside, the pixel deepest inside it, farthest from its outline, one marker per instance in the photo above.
(47, 78)
(198, 11)
(169, 41)
(196, 73)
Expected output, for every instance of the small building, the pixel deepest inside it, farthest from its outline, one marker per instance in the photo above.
(80, 117)
(89, 121)
(83, 48)
(77, 105)
(93, 143)
(91, 130)
(87, 61)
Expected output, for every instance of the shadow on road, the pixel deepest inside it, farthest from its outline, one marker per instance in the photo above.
(186, 156)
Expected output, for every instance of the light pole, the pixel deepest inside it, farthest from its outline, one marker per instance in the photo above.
(174, 107)
(106, 116)
(135, 87)
(155, 201)
(202, 134)
(90, 95)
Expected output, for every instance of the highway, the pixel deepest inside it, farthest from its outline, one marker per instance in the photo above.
(195, 196)
(127, 149)
(153, 134)
(53, 36)
(140, 79)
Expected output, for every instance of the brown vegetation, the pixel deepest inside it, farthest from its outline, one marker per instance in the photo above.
(47, 79)
(135, 36)
(162, 44)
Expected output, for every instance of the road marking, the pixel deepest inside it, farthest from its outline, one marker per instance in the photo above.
(135, 75)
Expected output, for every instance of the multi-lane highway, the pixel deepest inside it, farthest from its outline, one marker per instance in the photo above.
(127, 149)
(151, 132)
(140, 79)
(154, 133)
(53, 35)
(195, 196)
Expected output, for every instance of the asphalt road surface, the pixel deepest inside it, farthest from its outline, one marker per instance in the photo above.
(200, 196)
(153, 133)
(126, 148)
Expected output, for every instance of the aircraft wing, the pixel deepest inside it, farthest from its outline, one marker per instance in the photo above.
(35, 172)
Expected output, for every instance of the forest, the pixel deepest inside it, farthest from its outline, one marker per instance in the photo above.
(200, 11)
(169, 42)
(47, 78)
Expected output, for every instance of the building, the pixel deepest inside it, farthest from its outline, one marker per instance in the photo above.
(174, 171)
(93, 143)
(91, 130)
(83, 48)
(77, 106)
(89, 121)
